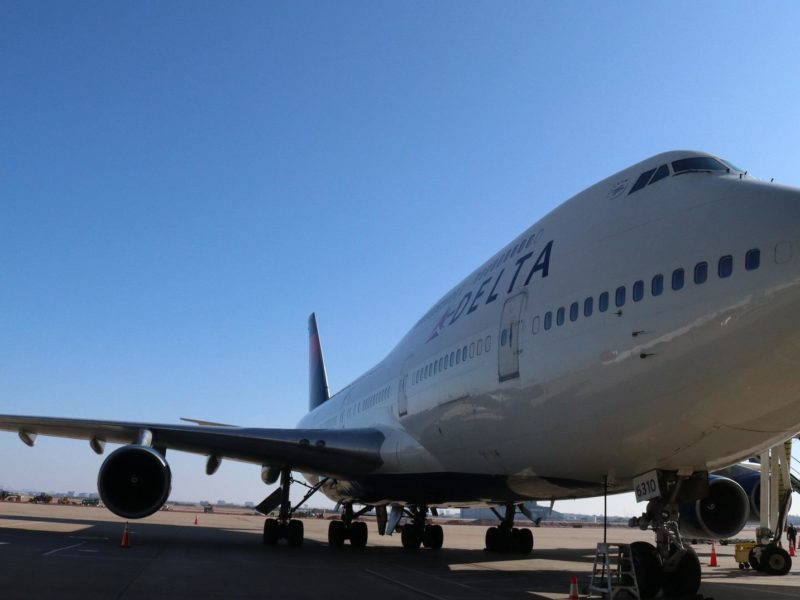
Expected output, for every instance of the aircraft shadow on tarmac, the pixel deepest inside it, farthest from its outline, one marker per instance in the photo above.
(447, 573)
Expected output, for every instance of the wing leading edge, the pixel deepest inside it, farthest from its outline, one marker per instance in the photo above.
(337, 453)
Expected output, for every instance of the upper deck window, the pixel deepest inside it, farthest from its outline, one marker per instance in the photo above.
(698, 164)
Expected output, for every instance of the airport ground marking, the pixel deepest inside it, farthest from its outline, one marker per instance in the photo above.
(62, 549)
(404, 585)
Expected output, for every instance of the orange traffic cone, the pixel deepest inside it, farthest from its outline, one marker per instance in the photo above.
(791, 550)
(573, 589)
(125, 543)
(195, 520)
(713, 562)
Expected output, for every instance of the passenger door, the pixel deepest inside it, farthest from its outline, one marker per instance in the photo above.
(508, 349)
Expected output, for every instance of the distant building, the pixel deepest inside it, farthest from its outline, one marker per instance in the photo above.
(249, 504)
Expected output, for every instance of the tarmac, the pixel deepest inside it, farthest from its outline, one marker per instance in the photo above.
(71, 552)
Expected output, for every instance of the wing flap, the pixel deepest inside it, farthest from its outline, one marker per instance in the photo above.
(337, 453)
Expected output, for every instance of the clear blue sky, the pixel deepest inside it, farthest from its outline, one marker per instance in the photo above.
(182, 183)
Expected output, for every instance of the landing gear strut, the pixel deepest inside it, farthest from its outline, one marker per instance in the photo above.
(506, 537)
(285, 527)
(348, 528)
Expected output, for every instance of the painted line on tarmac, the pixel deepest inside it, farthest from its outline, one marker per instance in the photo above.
(62, 549)
(404, 585)
(447, 581)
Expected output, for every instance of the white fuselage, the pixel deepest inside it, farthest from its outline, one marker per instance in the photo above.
(694, 378)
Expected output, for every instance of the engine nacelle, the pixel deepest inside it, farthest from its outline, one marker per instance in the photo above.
(134, 481)
(722, 514)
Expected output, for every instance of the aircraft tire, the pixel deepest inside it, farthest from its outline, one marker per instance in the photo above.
(647, 565)
(294, 533)
(685, 579)
(271, 532)
(411, 538)
(358, 534)
(505, 540)
(434, 537)
(336, 534)
(524, 542)
(491, 539)
(775, 561)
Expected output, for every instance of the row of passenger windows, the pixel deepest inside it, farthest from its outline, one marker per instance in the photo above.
(456, 357)
(369, 401)
(677, 281)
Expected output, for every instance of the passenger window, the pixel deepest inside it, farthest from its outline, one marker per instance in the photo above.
(504, 337)
(657, 285)
(441, 361)
(480, 344)
(488, 345)
(700, 272)
(588, 306)
(752, 259)
(619, 296)
(458, 356)
(662, 172)
(472, 350)
(452, 358)
(560, 316)
(535, 328)
(638, 290)
(642, 181)
(435, 370)
(464, 353)
(602, 302)
(548, 320)
(725, 267)
(677, 279)
(573, 311)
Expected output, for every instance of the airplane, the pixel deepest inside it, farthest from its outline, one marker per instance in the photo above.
(642, 335)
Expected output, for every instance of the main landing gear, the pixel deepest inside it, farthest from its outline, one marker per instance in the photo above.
(506, 537)
(284, 527)
(348, 528)
(418, 532)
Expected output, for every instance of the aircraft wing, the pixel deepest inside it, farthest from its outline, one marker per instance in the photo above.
(337, 453)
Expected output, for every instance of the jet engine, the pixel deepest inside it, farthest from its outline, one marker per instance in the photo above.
(722, 514)
(134, 481)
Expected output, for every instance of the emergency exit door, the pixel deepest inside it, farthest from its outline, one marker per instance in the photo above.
(509, 348)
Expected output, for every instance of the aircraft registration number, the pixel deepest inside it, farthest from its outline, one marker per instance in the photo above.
(646, 486)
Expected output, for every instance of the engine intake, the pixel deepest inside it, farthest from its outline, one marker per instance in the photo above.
(134, 481)
(722, 514)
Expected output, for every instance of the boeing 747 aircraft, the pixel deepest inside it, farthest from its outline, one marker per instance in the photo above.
(643, 334)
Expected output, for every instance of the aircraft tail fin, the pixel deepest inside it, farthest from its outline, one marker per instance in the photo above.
(317, 377)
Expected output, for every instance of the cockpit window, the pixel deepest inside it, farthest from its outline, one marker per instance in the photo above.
(663, 171)
(649, 177)
(733, 167)
(698, 163)
(642, 181)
